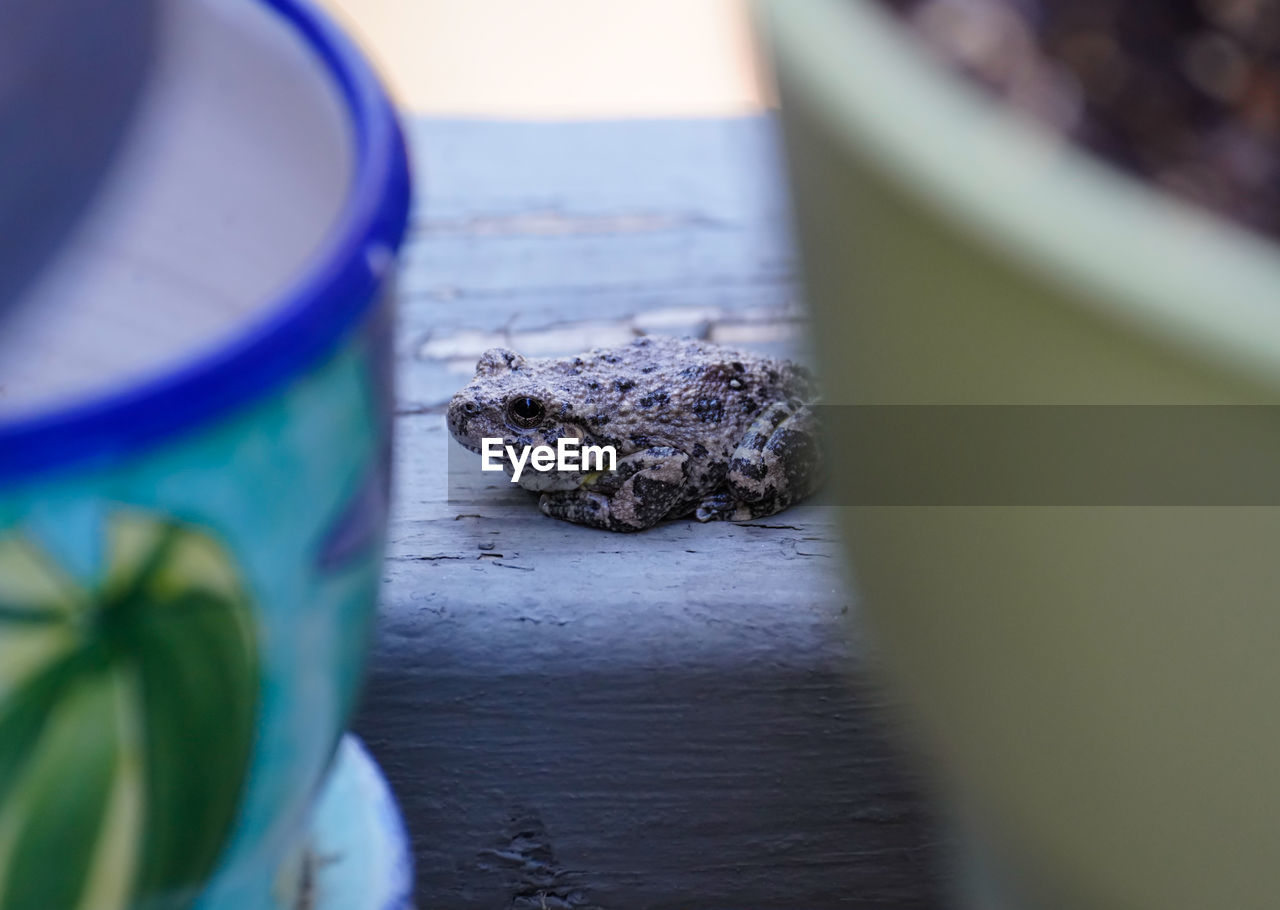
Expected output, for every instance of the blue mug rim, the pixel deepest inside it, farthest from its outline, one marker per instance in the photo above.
(338, 288)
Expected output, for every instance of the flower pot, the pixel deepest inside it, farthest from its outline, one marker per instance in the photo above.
(1095, 678)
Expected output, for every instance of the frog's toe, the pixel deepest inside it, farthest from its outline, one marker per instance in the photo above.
(716, 507)
(578, 507)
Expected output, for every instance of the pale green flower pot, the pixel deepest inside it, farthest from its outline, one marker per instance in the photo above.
(1097, 685)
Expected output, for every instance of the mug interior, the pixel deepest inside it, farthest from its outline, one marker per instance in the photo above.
(230, 180)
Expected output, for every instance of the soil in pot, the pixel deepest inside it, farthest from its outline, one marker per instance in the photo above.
(1183, 93)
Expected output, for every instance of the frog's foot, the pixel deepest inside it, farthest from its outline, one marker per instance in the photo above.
(723, 507)
(581, 508)
(719, 507)
(654, 479)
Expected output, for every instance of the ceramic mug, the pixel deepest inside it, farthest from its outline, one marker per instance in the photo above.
(1097, 679)
(194, 454)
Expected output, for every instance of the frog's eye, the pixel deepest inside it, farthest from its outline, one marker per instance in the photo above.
(525, 412)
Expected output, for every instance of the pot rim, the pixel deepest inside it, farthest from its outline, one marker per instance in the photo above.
(1137, 257)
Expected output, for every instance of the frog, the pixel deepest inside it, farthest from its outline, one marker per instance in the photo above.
(700, 430)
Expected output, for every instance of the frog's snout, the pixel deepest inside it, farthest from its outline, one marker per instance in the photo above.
(462, 410)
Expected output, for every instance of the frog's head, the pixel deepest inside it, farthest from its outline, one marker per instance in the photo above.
(513, 399)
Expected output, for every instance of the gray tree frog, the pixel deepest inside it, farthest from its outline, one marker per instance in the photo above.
(699, 429)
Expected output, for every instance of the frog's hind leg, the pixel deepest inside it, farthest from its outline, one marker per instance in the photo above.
(639, 493)
(777, 464)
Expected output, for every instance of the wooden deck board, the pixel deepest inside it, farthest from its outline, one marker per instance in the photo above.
(574, 718)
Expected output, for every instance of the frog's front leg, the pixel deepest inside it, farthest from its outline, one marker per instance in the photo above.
(639, 493)
(778, 463)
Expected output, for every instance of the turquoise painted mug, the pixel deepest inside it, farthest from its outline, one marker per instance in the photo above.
(195, 429)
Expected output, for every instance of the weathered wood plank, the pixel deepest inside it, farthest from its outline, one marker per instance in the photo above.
(573, 718)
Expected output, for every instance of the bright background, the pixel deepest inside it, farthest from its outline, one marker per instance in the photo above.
(561, 59)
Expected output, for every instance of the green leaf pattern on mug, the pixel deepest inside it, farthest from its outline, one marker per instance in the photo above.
(127, 717)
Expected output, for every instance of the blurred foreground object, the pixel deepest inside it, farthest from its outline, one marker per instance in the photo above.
(70, 76)
(562, 59)
(1098, 683)
(195, 416)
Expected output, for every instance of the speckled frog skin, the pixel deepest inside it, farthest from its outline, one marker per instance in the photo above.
(699, 429)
